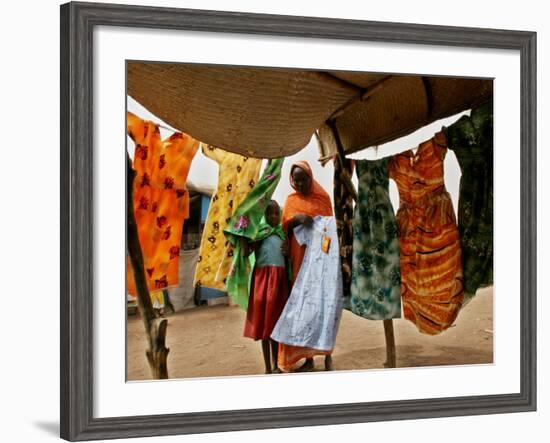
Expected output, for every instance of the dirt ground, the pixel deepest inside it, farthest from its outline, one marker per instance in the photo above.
(208, 341)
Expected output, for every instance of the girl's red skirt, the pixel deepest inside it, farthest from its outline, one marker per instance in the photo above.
(268, 295)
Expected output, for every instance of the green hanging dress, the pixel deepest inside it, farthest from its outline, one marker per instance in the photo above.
(248, 222)
(376, 277)
(471, 139)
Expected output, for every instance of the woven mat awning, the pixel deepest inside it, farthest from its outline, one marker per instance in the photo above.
(268, 113)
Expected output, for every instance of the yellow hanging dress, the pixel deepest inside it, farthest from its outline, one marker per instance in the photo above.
(237, 176)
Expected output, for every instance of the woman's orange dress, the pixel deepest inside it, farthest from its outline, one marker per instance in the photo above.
(161, 199)
(432, 286)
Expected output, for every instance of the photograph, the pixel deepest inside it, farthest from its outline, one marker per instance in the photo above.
(259, 222)
(273, 221)
(284, 220)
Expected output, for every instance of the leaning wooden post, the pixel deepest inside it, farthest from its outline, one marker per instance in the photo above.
(155, 329)
(388, 324)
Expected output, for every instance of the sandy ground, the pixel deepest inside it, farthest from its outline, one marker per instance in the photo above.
(208, 341)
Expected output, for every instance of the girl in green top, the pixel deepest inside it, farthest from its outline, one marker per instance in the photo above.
(269, 286)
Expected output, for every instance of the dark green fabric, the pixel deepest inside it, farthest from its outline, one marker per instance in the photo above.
(471, 139)
(343, 212)
(248, 222)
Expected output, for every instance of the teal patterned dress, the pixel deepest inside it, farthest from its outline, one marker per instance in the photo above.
(376, 278)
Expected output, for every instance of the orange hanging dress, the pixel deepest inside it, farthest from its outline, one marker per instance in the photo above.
(432, 286)
(161, 199)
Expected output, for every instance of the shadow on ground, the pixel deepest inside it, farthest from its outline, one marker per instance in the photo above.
(208, 341)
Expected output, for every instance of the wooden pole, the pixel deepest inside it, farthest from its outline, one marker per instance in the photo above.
(346, 178)
(388, 324)
(155, 329)
(390, 344)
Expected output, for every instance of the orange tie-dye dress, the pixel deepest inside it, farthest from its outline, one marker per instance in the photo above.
(432, 286)
(161, 199)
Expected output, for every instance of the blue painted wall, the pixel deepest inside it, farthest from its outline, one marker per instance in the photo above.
(205, 204)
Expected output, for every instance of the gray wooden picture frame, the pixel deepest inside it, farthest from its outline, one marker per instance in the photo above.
(77, 24)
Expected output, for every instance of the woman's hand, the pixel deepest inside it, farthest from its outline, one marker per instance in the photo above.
(299, 219)
(303, 219)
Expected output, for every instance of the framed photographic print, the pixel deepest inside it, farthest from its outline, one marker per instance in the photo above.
(273, 221)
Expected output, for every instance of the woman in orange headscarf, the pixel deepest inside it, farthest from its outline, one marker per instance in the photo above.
(309, 200)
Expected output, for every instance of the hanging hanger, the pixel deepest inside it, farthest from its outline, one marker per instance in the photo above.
(341, 158)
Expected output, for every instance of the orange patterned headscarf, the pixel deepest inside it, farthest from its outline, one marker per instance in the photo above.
(316, 202)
